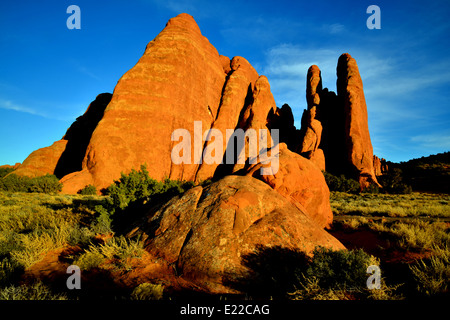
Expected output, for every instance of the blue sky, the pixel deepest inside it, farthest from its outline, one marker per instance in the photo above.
(49, 74)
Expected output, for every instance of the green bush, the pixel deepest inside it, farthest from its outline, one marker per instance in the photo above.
(339, 269)
(137, 188)
(116, 250)
(341, 183)
(43, 184)
(88, 190)
(148, 291)
(5, 171)
(37, 291)
(392, 182)
(433, 275)
(339, 275)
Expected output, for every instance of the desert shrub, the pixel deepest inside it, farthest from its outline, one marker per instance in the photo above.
(340, 269)
(148, 291)
(80, 236)
(341, 183)
(137, 187)
(418, 234)
(134, 190)
(15, 183)
(102, 223)
(116, 250)
(8, 270)
(44, 184)
(89, 260)
(36, 291)
(433, 275)
(5, 171)
(339, 275)
(88, 190)
(371, 189)
(392, 182)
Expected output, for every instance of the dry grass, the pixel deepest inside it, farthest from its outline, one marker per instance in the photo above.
(417, 233)
(389, 205)
(33, 224)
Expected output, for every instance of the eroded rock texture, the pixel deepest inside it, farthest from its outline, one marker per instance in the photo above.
(207, 231)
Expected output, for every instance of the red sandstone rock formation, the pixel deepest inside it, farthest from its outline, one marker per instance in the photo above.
(7, 166)
(302, 183)
(237, 95)
(313, 86)
(177, 81)
(65, 155)
(208, 231)
(359, 147)
(379, 166)
(341, 129)
(311, 132)
(42, 161)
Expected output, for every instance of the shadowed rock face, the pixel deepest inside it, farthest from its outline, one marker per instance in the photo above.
(207, 231)
(66, 155)
(42, 161)
(79, 135)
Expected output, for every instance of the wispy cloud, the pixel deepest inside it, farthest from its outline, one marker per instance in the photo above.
(335, 28)
(89, 73)
(10, 105)
(402, 97)
(436, 140)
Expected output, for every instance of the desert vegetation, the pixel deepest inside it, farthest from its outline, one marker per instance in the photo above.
(44, 184)
(408, 231)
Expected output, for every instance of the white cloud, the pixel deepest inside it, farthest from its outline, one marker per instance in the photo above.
(89, 73)
(437, 140)
(335, 28)
(8, 105)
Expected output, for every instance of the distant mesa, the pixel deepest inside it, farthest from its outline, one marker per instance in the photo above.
(181, 78)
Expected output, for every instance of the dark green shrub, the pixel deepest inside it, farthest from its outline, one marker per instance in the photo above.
(341, 183)
(5, 171)
(44, 184)
(88, 190)
(339, 269)
(15, 183)
(371, 189)
(392, 182)
(102, 223)
(132, 191)
(137, 187)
